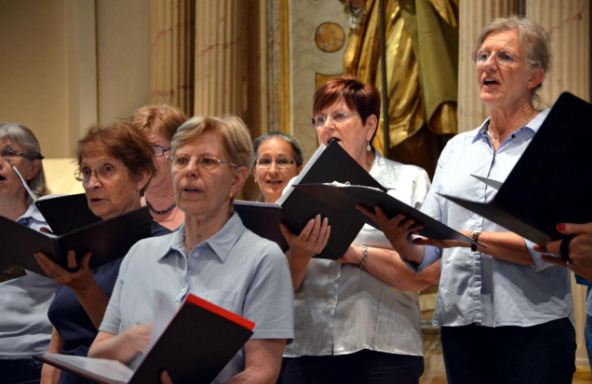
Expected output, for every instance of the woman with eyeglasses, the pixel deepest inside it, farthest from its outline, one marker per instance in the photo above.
(502, 308)
(278, 158)
(159, 123)
(357, 319)
(212, 256)
(115, 165)
(24, 300)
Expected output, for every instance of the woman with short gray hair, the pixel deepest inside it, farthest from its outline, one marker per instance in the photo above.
(505, 313)
(24, 327)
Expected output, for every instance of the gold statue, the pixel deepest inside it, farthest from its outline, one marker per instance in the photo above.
(422, 62)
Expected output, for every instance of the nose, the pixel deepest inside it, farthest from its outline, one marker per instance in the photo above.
(93, 181)
(273, 167)
(192, 169)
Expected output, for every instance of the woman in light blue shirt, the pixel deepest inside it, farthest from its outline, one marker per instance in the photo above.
(212, 256)
(24, 327)
(505, 313)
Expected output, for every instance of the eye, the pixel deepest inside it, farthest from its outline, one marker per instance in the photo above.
(340, 116)
(208, 162)
(8, 152)
(283, 162)
(85, 173)
(505, 57)
(264, 162)
(482, 56)
(107, 170)
(181, 161)
(319, 120)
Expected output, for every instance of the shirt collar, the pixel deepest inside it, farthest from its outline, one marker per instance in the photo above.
(221, 243)
(31, 214)
(533, 125)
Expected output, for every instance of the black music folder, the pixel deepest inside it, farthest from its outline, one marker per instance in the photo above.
(551, 181)
(66, 213)
(196, 345)
(295, 208)
(339, 195)
(107, 240)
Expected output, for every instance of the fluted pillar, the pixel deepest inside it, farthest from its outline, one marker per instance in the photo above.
(473, 16)
(172, 52)
(220, 52)
(568, 24)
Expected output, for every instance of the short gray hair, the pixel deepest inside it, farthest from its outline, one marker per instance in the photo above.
(24, 137)
(532, 35)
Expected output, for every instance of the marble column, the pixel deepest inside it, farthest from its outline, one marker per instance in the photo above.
(171, 54)
(473, 15)
(568, 24)
(220, 57)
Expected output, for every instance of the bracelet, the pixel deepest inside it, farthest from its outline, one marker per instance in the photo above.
(475, 236)
(364, 257)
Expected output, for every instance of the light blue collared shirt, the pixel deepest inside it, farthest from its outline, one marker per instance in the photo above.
(474, 287)
(234, 269)
(25, 329)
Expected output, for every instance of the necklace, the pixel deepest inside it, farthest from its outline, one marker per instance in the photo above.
(164, 211)
(501, 137)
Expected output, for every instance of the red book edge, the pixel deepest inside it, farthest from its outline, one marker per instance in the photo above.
(245, 323)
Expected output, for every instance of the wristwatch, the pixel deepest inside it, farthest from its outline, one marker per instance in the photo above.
(475, 236)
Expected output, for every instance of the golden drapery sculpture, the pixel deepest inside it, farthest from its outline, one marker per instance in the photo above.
(422, 58)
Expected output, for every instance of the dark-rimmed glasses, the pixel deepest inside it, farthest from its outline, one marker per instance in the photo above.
(10, 153)
(159, 150)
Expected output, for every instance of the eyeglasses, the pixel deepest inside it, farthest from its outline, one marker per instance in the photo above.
(104, 172)
(502, 58)
(205, 162)
(337, 117)
(159, 150)
(10, 153)
(266, 162)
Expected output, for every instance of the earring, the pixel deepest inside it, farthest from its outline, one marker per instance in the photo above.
(368, 147)
(230, 196)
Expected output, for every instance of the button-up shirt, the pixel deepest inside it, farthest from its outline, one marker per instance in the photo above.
(234, 269)
(24, 327)
(341, 309)
(478, 288)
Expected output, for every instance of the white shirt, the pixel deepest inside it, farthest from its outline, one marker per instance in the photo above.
(341, 309)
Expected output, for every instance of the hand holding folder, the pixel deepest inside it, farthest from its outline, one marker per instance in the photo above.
(332, 184)
(550, 183)
(295, 208)
(202, 335)
(107, 240)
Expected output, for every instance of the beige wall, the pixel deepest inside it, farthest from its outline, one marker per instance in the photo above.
(123, 43)
(33, 69)
(70, 63)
